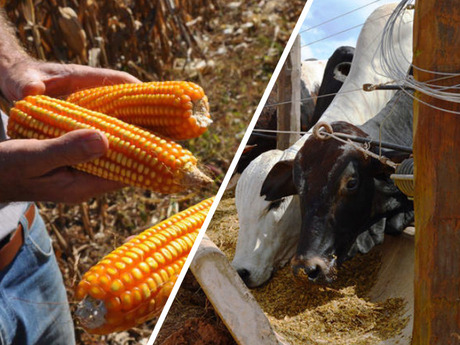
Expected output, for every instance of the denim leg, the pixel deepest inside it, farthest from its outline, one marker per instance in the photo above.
(34, 307)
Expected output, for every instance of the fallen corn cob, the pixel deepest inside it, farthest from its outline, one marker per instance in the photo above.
(135, 156)
(131, 284)
(176, 109)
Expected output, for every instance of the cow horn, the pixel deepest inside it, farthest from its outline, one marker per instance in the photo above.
(321, 128)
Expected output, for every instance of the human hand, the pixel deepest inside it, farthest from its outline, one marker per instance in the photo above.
(38, 170)
(31, 77)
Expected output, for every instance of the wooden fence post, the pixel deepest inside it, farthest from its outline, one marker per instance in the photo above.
(289, 91)
(437, 183)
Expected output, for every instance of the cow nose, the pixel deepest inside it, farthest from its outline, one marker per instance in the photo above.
(313, 272)
(315, 267)
(244, 274)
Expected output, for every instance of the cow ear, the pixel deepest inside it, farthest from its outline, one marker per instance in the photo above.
(396, 156)
(381, 169)
(341, 71)
(279, 182)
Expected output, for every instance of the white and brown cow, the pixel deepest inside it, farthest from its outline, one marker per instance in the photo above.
(349, 105)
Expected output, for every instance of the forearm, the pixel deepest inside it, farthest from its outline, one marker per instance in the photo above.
(21, 75)
(11, 50)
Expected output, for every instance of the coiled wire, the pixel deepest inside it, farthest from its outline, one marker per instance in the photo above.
(390, 60)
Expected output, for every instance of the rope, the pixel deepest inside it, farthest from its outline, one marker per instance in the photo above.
(324, 131)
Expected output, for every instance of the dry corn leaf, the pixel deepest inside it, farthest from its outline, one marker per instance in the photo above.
(73, 32)
(28, 12)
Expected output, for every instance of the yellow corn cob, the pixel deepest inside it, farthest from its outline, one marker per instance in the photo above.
(135, 157)
(131, 284)
(176, 109)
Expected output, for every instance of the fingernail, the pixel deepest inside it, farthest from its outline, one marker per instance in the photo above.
(94, 145)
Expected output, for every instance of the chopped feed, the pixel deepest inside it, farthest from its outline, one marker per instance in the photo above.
(305, 313)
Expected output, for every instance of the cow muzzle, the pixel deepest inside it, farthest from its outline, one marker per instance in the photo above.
(318, 269)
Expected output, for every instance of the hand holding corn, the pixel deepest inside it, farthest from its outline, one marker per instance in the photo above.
(131, 284)
(32, 170)
(38, 169)
(135, 156)
(27, 76)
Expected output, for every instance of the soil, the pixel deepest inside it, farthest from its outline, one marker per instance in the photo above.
(192, 319)
(200, 332)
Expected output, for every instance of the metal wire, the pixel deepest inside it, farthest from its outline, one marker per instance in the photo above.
(340, 32)
(340, 16)
(305, 99)
(391, 65)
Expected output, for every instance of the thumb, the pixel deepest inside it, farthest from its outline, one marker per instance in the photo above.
(30, 88)
(21, 81)
(75, 147)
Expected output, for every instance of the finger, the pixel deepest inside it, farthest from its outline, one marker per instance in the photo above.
(27, 171)
(22, 88)
(76, 77)
(75, 147)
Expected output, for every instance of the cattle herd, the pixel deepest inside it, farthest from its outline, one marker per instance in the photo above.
(320, 202)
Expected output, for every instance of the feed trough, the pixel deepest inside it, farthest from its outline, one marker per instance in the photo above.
(280, 314)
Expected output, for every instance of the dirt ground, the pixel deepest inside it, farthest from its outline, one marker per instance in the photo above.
(300, 312)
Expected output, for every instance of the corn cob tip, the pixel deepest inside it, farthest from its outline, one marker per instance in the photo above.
(91, 312)
(194, 177)
(175, 109)
(201, 112)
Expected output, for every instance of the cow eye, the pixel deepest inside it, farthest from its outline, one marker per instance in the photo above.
(274, 204)
(352, 184)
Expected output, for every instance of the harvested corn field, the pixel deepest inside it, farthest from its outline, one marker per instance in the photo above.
(303, 313)
(229, 49)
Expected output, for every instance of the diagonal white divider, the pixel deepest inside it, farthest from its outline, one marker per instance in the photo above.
(224, 184)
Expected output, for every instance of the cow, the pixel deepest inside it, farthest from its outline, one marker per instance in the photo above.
(352, 105)
(318, 78)
(337, 69)
(345, 193)
(311, 75)
(260, 251)
(312, 72)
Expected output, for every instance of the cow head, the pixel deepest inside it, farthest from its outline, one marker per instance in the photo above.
(269, 230)
(344, 195)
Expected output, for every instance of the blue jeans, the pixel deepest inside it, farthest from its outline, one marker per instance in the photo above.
(33, 301)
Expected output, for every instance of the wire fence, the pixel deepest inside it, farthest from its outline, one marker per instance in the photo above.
(390, 64)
